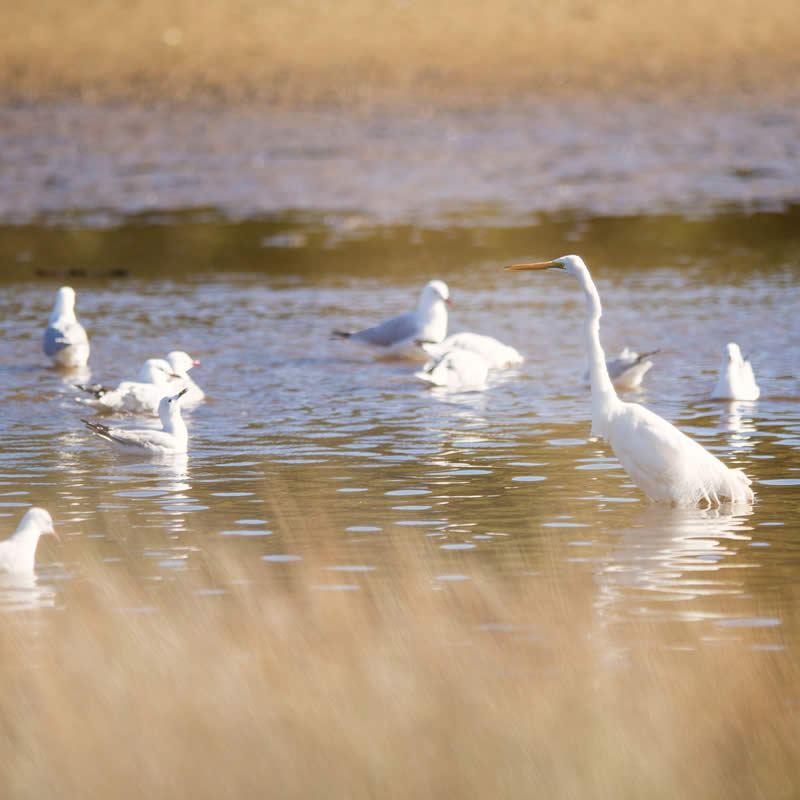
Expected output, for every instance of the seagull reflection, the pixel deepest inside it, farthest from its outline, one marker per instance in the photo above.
(672, 561)
(23, 592)
(738, 420)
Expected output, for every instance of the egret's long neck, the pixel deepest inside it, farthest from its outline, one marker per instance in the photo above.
(604, 398)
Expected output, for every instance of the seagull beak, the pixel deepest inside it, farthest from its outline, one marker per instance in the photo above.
(53, 532)
(537, 265)
(195, 362)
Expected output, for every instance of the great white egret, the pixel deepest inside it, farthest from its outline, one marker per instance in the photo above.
(496, 354)
(18, 552)
(65, 340)
(398, 336)
(173, 438)
(663, 462)
(736, 380)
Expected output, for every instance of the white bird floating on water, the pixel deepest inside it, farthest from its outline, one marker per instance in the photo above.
(18, 552)
(663, 462)
(457, 370)
(65, 340)
(496, 354)
(173, 438)
(736, 380)
(136, 397)
(627, 369)
(398, 336)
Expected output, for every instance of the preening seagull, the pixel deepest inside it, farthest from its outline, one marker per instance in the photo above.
(173, 438)
(736, 380)
(137, 397)
(65, 340)
(398, 336)
(662, 461)
(457, 370)
(496, 354)
(18, 552)
(627, 369)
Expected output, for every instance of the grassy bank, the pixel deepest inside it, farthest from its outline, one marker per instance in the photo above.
(407, 686)
(318, 51)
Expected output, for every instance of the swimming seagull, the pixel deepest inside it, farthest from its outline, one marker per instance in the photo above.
(398, 336)
(627, 369)
(65, 340)
(736, 380)
(18, 552)
(496, 354)
(173, 438)
(137, 397)
(181, 362)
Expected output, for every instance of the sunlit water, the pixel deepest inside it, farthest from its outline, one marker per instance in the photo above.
(305, 440)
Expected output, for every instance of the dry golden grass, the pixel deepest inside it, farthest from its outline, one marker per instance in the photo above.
(316, 50)
(396, 690)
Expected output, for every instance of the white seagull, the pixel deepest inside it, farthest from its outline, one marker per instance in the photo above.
(137, 397)
(736, 380)
(627, 369)
(65, 340)
(496, 354)
(398, 336)
(18, 552)
(181, 362)
(173, 438)
(663, 462)
(457, 370)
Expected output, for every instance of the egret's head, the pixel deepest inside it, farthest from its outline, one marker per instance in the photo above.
(572, 264)
(434, 292)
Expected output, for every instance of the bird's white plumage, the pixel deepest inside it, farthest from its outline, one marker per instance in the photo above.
(496, 354)
(626, 370)
(662, 461)
(65, 340)
(457, 370)
(181, 362)
(397, 336)
(136, 397)
(172, 438)
(736, 380)
(18, 552)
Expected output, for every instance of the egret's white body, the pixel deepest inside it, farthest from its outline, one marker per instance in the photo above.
(136, 397)
(181, 362)
(663, 462)
(18, 552)
(65, 340)
(457, 370)
(627, 369)
(398, 336)
(173, 438)
(736, 380)
(496, 354)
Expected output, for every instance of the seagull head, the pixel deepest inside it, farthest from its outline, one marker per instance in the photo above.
(181, 361)
(178, 396)
(65, 302)
(434, 292)
(38, 520)
(733, 354)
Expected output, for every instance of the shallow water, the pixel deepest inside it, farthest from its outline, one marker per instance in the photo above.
(306, 442)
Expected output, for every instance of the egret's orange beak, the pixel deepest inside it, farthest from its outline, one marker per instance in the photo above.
(534, 265)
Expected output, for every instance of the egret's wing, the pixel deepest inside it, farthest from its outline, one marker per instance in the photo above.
(391, 331)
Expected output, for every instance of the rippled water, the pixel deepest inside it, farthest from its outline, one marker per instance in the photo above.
(306, 441)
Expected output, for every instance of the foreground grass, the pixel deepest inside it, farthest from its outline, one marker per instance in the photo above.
(396, 689)
(286, 51)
